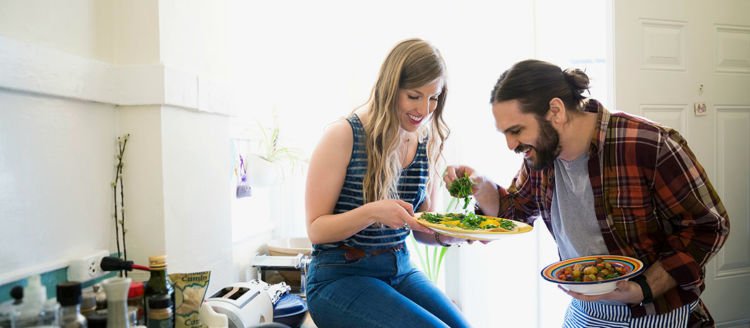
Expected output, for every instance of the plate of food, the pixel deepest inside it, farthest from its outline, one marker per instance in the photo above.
(592, 275)
(471, 226)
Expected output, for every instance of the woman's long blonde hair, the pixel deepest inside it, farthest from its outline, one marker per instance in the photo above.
(410, 64)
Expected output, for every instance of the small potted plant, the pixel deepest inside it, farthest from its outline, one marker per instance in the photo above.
(266, 166)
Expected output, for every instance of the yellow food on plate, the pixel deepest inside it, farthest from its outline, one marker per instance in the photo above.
(489, 222)
(452, 223)
(470, 221)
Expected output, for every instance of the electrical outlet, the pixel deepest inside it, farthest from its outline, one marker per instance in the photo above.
(700, 109)
(87, 268)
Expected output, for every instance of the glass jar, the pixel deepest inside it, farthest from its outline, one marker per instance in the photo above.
(135, 299)
(69, 296)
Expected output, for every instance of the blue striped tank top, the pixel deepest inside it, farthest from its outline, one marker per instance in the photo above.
(411, 189)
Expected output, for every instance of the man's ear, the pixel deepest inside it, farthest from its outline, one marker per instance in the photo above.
(557, 112)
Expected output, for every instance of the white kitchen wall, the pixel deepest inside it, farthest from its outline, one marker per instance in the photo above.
(56, 153)
(74, 76)
(56, 162)
(79, 27)
(197, 192)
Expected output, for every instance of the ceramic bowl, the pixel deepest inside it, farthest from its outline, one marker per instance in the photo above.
(632, 266)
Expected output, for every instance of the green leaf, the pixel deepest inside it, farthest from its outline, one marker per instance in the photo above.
(462, 188)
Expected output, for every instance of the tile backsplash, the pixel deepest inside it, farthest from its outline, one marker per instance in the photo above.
(49, 280)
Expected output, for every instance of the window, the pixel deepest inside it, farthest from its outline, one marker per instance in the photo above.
(315, 65)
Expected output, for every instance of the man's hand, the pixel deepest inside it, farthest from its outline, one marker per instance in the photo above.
(484, 190)
(453, 172)
(626, 292)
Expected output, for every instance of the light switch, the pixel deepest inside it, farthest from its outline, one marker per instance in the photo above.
(700, 109)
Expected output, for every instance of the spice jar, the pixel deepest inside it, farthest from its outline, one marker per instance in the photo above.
(160, 312)
(135, 299)
(69, 296)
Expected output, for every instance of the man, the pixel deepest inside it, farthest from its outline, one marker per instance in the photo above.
(606, 183)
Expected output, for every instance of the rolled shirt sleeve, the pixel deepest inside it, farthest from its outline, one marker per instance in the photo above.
(686, 197)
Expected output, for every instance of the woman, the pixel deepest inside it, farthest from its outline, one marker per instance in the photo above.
(367, 176)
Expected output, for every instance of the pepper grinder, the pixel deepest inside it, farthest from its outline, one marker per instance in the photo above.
(117, 301)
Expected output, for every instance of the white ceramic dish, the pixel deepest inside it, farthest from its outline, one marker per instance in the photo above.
(633, 266)
(474, 234)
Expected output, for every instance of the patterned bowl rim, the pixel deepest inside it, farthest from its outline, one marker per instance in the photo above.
(635, 266)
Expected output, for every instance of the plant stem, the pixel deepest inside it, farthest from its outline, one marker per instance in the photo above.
(117, 224)
(120, 222)
(122, 199)
(417, 248)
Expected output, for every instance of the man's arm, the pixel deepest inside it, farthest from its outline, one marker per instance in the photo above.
(517, 202)
(686, 198)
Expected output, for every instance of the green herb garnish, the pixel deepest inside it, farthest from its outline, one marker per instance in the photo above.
(507, 224)
(471, 221)
(461, 188)
(432, 218)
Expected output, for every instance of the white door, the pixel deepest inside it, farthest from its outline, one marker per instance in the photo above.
(669, 55)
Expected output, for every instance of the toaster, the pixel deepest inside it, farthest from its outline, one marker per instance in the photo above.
(245, 304)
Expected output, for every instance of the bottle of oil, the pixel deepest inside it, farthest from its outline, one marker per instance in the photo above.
(160, 312)
(158, 284)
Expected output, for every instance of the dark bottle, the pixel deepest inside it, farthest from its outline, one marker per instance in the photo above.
(69, 296)
(158, 284)
(160, 312)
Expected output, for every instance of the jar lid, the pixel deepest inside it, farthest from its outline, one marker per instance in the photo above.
(160, 301)
(69, 293)
(157, 261)
(136, 289)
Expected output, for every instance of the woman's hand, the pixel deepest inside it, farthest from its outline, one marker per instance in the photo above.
(458, 241)
(446, 240)
(395, 214)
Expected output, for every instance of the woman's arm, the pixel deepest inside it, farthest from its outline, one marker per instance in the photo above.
(325, 178)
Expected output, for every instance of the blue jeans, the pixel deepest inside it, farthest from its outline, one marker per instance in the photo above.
(384, 290)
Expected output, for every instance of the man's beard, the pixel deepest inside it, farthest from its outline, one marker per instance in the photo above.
(547, 148)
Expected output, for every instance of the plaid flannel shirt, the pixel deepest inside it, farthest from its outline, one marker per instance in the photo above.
(653, 202)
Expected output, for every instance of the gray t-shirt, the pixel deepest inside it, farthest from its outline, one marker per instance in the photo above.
(574, 220)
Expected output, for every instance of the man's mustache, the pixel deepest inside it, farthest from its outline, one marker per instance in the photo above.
(522, 148)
